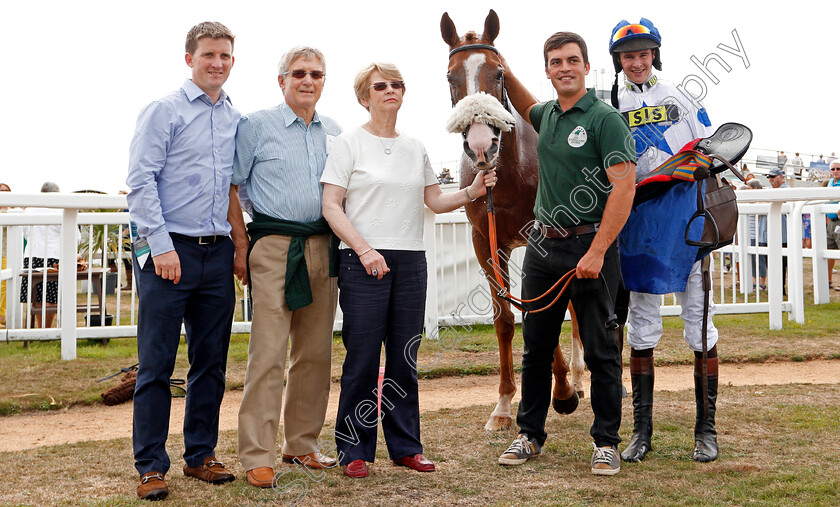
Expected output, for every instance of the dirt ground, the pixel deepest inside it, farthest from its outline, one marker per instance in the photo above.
(77, 424)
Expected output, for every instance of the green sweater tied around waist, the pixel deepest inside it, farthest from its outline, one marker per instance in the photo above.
(298, 290)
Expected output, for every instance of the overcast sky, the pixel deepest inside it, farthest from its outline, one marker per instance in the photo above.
(78, 73)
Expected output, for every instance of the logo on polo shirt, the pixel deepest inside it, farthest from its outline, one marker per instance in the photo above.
(578, 137)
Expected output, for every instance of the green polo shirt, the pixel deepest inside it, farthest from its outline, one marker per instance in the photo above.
(574, 148)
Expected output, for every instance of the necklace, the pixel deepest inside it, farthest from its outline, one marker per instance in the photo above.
(387, 148)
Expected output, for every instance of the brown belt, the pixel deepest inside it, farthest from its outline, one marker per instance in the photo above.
(562, 232)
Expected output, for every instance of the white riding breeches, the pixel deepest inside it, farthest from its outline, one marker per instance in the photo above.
(644, 322)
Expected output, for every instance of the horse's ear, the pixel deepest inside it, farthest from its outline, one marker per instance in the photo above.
(447, 30)
(491, 26)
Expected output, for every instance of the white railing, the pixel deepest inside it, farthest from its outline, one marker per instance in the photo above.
(457, 292)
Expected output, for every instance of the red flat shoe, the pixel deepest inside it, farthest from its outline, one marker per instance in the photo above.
(417, 462)
(356, 469)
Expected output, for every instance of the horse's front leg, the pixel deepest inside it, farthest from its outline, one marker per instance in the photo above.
(577, 355)
(565, 396)
(502, 417)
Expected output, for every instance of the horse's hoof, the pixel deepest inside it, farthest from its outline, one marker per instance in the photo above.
(566, 406)
(498, 423)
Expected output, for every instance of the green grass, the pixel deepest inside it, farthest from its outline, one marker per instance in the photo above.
(777, 448)
(35, 377)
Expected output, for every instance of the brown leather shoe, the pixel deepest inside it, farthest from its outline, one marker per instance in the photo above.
(211, 471)
(261, 477)
(314, 460)
(152, 486)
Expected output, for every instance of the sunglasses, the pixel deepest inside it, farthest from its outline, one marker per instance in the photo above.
(396, 85)
(300, 74)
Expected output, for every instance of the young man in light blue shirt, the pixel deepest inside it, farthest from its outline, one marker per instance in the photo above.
(180, 168)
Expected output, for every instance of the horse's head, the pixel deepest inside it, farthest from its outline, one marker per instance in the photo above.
(475, 66)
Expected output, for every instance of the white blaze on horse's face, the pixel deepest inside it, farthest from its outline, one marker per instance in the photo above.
(482, 145)
(472, 66)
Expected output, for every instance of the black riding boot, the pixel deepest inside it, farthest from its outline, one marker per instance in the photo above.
(705, 436)
(641, 374)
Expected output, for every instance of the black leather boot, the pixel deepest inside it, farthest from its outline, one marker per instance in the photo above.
(641, 375)
(705, 435)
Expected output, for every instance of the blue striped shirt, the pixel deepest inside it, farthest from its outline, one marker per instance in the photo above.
(180, 164)
(281, 161)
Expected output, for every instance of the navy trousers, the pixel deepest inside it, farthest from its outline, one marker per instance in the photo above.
(204, 300)
(388, 311)
(546, 260)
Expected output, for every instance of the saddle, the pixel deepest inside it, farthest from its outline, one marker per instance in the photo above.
(665, 235)
(702, 161)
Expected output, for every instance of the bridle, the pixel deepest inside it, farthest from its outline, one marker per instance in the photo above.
(503, 292)
(488, 47)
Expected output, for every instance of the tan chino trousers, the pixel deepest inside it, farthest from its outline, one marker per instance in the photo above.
(309, 330)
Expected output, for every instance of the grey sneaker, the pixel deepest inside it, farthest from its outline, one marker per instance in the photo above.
(605, 460)
(521, 450)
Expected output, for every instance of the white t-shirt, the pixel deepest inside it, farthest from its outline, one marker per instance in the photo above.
(44, 241)
(384, 199)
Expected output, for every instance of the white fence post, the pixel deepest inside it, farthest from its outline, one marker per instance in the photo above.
(796, 292)
(67, 277)
(774, 264)
(819, 242)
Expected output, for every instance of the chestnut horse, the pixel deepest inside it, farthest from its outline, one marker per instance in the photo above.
(475, 66)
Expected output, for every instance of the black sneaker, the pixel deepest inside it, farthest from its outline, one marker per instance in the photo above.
(605, 460)
(521, 450)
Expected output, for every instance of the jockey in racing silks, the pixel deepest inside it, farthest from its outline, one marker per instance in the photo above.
(662, 120)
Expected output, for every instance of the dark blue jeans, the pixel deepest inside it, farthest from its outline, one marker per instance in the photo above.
(203, 300)
(388, 311)
(546, 260)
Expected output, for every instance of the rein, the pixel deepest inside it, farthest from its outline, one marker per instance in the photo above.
(503, 293)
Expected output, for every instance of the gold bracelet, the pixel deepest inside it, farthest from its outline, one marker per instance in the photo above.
(366, 251)
(467, 193)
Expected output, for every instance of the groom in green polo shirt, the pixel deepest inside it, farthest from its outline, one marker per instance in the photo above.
(586, 187)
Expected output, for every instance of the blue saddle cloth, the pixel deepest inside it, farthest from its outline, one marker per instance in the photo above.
(654, 256)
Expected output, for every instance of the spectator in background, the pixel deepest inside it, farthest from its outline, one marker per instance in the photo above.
(445, 176)
(747, 174)
(754, 184)
(3, 188)
(798, 165)
(776, 177)
(782, 162)
(43, 247)
(833, 221)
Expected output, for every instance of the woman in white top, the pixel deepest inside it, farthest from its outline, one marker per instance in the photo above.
(42, 249)
(375, 184)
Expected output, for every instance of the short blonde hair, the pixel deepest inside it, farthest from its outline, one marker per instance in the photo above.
(210, 29)
(388, 71)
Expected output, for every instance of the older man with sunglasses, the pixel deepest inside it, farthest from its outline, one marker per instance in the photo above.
(280, 156)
